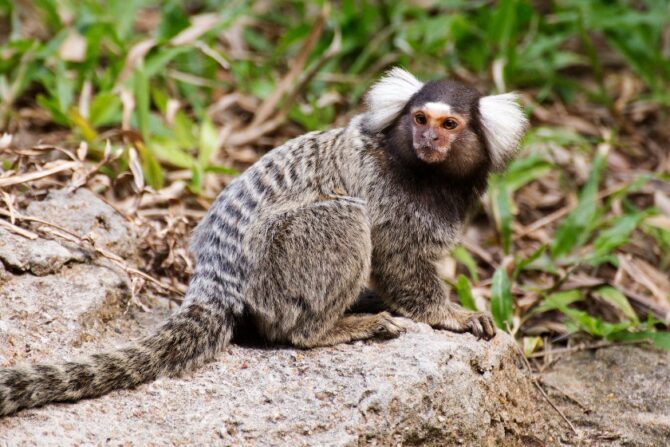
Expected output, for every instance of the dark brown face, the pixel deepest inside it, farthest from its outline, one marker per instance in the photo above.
(435, 127)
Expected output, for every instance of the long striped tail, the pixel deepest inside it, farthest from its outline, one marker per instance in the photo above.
(193, 335)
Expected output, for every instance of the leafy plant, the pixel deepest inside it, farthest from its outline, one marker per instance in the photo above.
(150, 74)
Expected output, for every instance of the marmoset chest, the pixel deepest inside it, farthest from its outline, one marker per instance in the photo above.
(399, 225)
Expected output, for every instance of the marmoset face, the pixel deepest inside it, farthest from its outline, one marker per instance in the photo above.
(435, 127)
(444, 125)
(443, 122)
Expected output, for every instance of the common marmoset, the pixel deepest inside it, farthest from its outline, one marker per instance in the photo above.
(292, 242)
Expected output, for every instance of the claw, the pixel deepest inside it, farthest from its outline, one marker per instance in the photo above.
(485, 327)
(389, 327)
(478, 324)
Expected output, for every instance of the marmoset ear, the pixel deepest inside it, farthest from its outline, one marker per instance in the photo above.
(504, 125)
(388, 96)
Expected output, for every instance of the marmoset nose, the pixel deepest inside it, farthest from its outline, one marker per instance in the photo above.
(430, 134)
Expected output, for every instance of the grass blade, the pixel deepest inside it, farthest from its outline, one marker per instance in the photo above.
(464, 257)
(208, 142)
(464, 290)
(501, 300)
(502, 211)
(618, 300)
(577, 226)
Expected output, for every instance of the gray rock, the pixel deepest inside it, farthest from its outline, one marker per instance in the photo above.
(618, 396)
(39, 257)
(84, 213)
(424, 388)
(47, 315)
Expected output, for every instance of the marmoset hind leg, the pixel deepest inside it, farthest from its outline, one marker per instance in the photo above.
(309, 264)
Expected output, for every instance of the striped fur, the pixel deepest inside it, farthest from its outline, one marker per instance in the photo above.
(290, 245)
(190, 337)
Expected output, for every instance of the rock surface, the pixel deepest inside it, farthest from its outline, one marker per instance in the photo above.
(618, 396)
(424, 388)
(85, 214)
(39, 257)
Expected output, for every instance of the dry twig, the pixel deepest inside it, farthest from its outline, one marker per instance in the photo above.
(18, 230)
(30, 176)
(63, 233)
(289, 87)
(545, 395)
(579, 348)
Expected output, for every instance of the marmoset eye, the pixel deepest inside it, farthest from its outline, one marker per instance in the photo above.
(450, 124)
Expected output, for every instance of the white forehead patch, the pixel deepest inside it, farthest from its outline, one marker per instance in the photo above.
(504, 124)
(438, 107)
(388, 96)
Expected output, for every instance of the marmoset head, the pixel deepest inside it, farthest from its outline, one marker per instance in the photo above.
(444, 123)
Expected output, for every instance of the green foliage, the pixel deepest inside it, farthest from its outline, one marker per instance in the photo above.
(558, 300)
(660, 340)
(529, 45)
(618, 300)
(586, 236)
(464, 290)
(528, 262)
(629, 329)
(501, 300)
(576, 228)
(465, 258)
(508, 44)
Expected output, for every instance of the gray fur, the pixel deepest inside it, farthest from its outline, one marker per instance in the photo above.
(290, 245)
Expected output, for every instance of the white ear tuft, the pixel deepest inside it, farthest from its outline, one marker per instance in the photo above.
(388, 96)
(504, 125)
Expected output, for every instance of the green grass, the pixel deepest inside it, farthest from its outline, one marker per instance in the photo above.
(79, 60)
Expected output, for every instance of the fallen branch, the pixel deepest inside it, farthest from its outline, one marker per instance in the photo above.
(30, 176)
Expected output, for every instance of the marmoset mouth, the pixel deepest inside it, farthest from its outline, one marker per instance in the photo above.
(431, 154)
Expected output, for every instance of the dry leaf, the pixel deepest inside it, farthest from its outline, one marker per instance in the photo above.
(5, 140)
(662, 222)
(199, 26)
(134, 58)
(136, 169)
(662, 202)
(73, 48)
